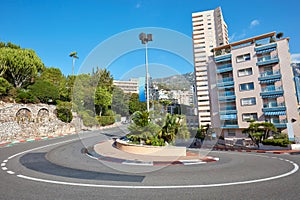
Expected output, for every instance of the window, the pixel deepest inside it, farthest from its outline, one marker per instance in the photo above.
(231, 133)
(245, 72)
(243, 58)
(208, 23)
(247, 86)
(248, 101)
(249, 116)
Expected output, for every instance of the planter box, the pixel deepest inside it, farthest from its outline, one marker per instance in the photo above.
(150, 150)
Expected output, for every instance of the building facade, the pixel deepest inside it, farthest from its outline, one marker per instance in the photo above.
(209, 31)
(253, 80)
(131, 86)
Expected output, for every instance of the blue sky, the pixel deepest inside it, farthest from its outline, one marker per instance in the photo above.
(55, 28)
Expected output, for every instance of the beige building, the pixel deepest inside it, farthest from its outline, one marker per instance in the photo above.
(209, 31)
(131, 86)
(253, 80)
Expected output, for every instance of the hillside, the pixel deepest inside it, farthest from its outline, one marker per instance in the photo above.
(176, 82)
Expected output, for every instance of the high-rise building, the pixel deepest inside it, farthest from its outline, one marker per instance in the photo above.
(209, 31)
(252, 79)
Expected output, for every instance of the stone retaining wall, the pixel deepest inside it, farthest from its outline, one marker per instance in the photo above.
(20, 121)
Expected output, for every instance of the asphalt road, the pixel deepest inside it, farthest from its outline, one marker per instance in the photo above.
(57, 169)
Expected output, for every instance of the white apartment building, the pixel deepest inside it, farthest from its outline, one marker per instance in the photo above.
(131, 86)
(209, 31)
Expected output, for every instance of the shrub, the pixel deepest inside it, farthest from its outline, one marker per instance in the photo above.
(88, 118)
(64, 114)
(105, 120)
(24, 96)
(277, 142)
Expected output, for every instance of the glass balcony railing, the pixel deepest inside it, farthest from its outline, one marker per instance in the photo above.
(228, 110)
(278, 123)
(271, 89)
(269, 73)
(224, 80)
(226, 94)
(274, 105)
(264, 60)
(224, 68)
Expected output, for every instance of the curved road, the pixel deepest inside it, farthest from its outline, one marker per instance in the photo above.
(56, 169)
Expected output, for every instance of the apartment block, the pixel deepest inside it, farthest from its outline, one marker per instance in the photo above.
(253, 80)
(209, 31)
(131, 86)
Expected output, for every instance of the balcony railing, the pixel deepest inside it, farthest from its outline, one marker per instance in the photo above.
(279, 123)
(266, 48)
(271, 89)
(223, 80)
(225, 96)
(223, 58)
(271, 92)
(269, 76)
(265, 60)
(228, 110)
(225, 83)
(224, 68)
(230, 124)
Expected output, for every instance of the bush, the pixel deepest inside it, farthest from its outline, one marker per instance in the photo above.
(64, 114)
(105, 120)
(24, 96)
(277, 142)
(88, 118)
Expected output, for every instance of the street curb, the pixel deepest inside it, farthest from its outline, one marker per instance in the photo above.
(95, 155)
(11, 143)
(290, 152)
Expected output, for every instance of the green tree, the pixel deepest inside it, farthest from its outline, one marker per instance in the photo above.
(21, 65)
(120, 102)
(135, 104)
(103, 99)
(259, 131)
(64, 111)
(45, 91)
(5, 86)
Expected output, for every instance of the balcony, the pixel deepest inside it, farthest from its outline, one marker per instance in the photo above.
(269, 77)
(266, 48)
(230, 124)
(222, 58)
(274, 107)
(224, 68)
(228, 117)
(271, 92)
(266, 60)
(228, 110)
(225, 83)
(279, 123)
(227, 96)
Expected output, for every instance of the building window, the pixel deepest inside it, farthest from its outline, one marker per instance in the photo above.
(231, 133)
(208, 23)
(249, 116)
(243, 58)
(247, 86)
(248, 101)
(245, 72)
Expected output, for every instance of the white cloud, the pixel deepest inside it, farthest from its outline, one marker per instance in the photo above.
(295, 58)
(254, 23)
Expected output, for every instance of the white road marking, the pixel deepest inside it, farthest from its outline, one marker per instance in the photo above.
(128, 162)
(296, 167)
(4, 168)
(294, 170)
(3, 164)
(5, 161)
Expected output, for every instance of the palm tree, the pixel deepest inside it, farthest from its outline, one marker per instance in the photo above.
(74, 56)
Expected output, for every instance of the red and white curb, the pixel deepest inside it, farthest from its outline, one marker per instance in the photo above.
(287, 152)
(11, 143)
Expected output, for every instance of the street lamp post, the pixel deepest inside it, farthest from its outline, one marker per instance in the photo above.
(145, 38)
(73, 55)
